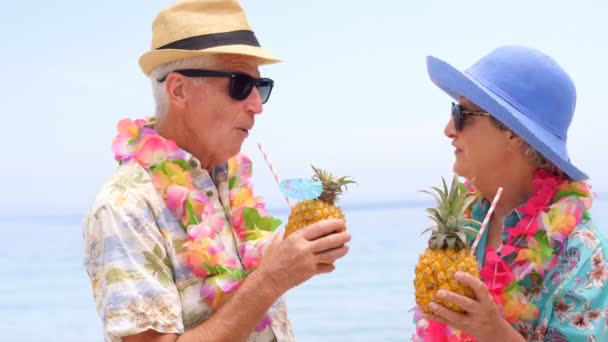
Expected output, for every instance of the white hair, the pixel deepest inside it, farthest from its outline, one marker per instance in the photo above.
(159, 90)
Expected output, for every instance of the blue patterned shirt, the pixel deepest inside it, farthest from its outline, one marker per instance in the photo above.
(573, 300)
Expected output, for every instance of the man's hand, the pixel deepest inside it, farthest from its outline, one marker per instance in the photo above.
(305, 253)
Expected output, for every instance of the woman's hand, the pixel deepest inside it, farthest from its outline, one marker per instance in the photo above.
(481, 317)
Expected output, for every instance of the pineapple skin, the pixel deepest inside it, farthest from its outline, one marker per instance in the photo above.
(435, 271)
(308, 212)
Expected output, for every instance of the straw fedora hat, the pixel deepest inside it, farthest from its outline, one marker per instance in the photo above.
(193, 28)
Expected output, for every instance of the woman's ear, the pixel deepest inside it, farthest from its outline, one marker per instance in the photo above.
(514, 141)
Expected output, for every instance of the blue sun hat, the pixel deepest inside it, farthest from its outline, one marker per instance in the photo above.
(524, 89)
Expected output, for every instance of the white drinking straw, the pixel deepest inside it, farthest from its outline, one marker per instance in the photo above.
(486, 220)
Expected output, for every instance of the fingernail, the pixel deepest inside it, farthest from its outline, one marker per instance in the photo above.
(459, 275)
(441, 293)
(433, 307)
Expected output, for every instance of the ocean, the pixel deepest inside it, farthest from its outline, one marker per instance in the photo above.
(45, 293)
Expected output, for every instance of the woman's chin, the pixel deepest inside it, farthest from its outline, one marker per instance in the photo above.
(459, 170)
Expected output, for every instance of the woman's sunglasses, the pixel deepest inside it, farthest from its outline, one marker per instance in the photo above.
(240, 86)
(458, 115)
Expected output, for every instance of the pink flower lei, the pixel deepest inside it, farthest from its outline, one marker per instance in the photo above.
(205, 254)
(532, 248)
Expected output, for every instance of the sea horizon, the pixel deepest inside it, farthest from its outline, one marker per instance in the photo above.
(379, 204)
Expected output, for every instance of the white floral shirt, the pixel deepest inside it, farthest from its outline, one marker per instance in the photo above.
(133, 254)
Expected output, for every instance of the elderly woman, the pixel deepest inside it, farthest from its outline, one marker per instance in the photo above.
(543, 264)
(177, 246)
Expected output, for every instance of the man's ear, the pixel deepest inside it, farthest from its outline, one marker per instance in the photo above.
(175, 86)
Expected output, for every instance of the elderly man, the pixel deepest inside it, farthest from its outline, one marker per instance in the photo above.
(176, 245)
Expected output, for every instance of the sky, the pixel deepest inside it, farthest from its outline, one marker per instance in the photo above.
(352, 95)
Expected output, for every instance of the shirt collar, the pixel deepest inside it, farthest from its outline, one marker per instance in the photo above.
(218, 174)
(481, 208)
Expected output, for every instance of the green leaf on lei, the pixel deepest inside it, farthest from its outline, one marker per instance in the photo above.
(132, 140)
(562, 194)
(511, 286)
(192, 219)
(234, 273)
(160, 167)
(253, 221)
(251, 216)
(231, 183)
(182, 163)
(544, 247)
(268, 223)
(586, 215)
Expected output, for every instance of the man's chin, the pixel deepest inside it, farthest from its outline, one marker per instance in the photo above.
(234, 151)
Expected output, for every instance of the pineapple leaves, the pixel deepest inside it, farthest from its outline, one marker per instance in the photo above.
(433, 212)
(437, 198)
(467, 204)
(440, 240)
(450, 216)
(463, 237)
(445, 187)
(454, 193)
(331, 185)
(470, 222)
(451, 222)
(469, 230)
(451, 242)
(444, 197)
(428, 229)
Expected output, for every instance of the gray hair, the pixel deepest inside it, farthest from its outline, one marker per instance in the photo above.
(159, 91)
(531, 154)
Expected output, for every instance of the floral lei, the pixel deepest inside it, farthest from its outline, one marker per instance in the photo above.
(205, 254)
(532, 249)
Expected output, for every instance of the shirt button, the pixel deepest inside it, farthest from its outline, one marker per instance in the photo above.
(209, 193)
(193, 163)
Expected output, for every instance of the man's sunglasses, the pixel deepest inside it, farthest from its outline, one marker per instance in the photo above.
(458, 115)
(240, 86)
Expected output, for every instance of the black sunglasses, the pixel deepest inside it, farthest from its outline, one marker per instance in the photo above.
(240, 86)
(458, 115)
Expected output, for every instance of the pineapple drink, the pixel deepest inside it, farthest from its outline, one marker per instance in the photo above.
(322, 207)
(448, 250)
